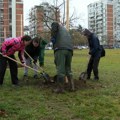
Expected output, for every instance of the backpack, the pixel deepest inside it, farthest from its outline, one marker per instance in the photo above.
(102, 51)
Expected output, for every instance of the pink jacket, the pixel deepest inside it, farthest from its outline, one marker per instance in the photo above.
(9, 47)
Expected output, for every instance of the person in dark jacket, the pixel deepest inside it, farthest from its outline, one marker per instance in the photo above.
(33, 51)
(43, 43)
(95, 52)
(63, 52)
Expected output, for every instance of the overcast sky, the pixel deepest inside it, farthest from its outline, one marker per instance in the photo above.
(78, 6)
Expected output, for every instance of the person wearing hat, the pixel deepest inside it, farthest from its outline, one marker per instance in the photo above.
(8, 48)
(95, 53)
(63, 52)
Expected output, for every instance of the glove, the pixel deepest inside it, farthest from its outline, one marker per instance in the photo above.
(35, 61)
(53, 40)
(89, 52)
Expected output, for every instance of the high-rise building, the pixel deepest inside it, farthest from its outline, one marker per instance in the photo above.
(41, 17)
(100, 20)
(116, 29)
(11, 18)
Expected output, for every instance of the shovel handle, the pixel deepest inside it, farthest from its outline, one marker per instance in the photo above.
(32, 60)
(18, 62)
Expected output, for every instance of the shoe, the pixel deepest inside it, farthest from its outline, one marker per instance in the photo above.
(88, 78)
(71, 84)
(59, 90)
(0, 85)
(35, 76)
(25, 75)
(96, 78)
(16, 85)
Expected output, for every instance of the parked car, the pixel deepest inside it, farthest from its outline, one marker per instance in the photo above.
(48, 48)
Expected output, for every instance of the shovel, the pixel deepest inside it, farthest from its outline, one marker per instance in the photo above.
(43, 74)
(83, 75)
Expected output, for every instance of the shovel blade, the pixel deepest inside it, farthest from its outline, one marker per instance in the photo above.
(46, 77)
(83, 76)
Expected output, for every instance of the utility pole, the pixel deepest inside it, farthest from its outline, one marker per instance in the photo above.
(67, 15)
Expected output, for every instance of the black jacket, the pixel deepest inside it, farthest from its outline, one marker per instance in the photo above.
(94, 45)
(32, 51)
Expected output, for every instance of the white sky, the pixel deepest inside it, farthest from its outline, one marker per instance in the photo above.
(79, 7)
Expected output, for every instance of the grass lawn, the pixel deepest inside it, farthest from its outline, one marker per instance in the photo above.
(98, 100)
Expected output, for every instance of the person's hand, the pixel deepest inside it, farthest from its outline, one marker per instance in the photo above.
(3, 53)
(89, 52)
(35, 61)
(23, 64)
(52, 40)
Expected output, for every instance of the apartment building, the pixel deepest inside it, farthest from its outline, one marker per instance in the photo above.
(100, 20)
(41, 17)
(11, 18)
(116, 29)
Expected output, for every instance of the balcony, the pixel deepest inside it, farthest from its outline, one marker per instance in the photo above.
(117, 21)
(99, 17)
(1, 6)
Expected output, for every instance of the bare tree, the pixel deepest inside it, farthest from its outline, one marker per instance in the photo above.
(47, 14)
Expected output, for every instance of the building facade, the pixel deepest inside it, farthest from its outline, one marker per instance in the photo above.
(41, 17)
(11, 18)
(116, 23)
(100, 20)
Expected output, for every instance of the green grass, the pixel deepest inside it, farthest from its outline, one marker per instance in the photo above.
(96, 101)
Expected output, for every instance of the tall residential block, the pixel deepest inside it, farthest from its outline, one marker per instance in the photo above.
(11, 18)
(100, 20)
(116, 29)
(41, 17)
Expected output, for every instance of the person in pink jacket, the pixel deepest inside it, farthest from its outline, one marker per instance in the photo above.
(8, 48)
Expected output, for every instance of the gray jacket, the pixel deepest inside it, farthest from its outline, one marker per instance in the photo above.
(62, 38)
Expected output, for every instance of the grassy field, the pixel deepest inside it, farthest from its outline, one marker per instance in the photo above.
(97, 100)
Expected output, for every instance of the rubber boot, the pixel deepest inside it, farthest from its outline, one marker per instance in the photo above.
(59, 85)
(71, 83)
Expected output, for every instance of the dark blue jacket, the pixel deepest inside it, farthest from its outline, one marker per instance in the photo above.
(94, 45)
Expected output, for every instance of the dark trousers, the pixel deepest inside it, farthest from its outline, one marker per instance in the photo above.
(93, 65)
(13, 69)
(63, 59)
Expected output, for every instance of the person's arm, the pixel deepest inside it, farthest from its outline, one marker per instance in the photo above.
(35, 59)
(21, 56)
(95, 47)
(54, 31)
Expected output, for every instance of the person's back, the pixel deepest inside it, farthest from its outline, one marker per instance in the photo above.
(12, 45)
(63, 39)
(94, 45)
